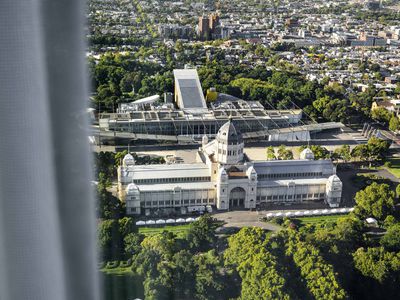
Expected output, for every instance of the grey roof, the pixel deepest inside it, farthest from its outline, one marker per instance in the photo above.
(165, 171)
(294, 166)
(190, 94)
(188, 87)
(171, 186)
(297, 181)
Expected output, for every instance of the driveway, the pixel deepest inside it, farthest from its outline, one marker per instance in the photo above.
(241, 219)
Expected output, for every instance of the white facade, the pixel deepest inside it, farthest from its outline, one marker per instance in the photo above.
(224, 178)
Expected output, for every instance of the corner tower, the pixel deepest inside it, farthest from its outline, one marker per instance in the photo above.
(229, 144)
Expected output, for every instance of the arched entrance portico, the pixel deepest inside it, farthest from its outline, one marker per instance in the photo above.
(237, 197)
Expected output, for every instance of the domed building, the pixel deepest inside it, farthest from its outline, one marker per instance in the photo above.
(225, 179)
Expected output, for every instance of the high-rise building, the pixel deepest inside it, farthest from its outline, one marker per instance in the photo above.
(214, 21)
(204, 27)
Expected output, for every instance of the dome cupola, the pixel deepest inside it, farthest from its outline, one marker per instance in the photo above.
(229, 134)
(307, 154)
(229, 144)
(128, 160)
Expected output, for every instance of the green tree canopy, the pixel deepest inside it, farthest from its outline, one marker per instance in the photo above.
(376, 200)
(378, 264)
(271, 153)
(391, 240)
(284, 153)
(201, 234)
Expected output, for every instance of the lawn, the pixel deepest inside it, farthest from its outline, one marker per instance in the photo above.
(395, 166)
(117, 271)
(319, 219)
(178, 229)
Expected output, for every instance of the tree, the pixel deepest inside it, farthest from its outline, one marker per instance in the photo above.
(394, 123)
(110, 240)
(244, 244)
(389, 221)
(333, 109)
(209, 277)
(377, 148)
(398, 191)
(381, 114)
(391, 240)
(104, 163)
(109, 207)
(164, 243)
(184, 274)
(318, 274)
(127, 83)
(344, 153)
(247, 254)
(132, 243)
(318, 151)
(361, 152)
(261, 279)
(271, 153)
(201, 234)
(376, 200)
(118, 157)
(284, 154)
(378, 264)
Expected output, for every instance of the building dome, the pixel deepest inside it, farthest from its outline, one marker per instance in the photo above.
(307, 154)
(229, 135)
(334, 179)
(128, 160)
(132, 189)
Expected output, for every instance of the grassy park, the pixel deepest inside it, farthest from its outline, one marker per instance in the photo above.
(394, 166)
(318, 219)
(177, 229)
(117, 271)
